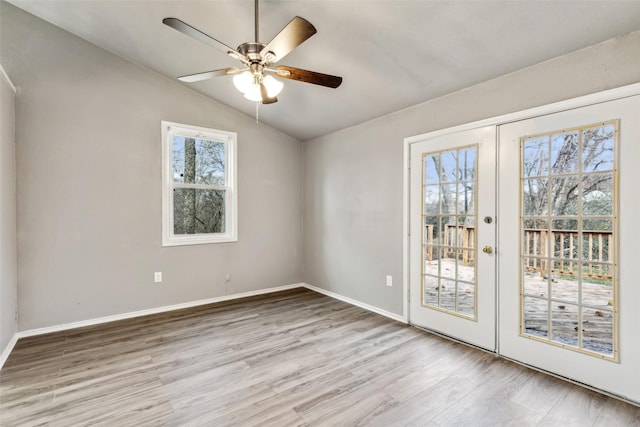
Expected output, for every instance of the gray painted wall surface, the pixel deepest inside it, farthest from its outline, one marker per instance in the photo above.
(8, 249)
(88, 180)
(353, 178)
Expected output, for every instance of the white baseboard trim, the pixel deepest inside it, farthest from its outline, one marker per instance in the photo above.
(8, 349)
(357, 303)
(163, 309)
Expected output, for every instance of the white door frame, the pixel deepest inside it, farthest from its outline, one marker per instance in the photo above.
(600, 97)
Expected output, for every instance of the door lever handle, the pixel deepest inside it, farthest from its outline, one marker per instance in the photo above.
(487, 250)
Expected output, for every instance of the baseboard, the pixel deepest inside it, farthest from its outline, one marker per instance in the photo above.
(357, 303)
(163, 309)
(8, 349)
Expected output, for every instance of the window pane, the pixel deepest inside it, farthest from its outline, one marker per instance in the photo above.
(597, 152)
(565, 288)
(198, 161)
(597, 194)
(564, 153)
(448, 198)
(564, 323)
(466, 298)
(198, 211)
(431, 291)
(597, 331)
(564, 195)
(598, 293)
(535, 197)
(431, 166)
(535, 281)
(467, 164)
(449, 166)
(535, 154)
(448, 294)
(466, 191)
(431, 199)
(565, 241)
(535, 316)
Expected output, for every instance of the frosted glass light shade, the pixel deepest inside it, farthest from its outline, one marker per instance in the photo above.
(274, 87)
(245, 82)
(253, 94)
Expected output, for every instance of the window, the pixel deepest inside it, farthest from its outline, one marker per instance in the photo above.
(568, 210)
(199, 198)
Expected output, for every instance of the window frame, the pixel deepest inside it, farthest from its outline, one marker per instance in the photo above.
(169, 129)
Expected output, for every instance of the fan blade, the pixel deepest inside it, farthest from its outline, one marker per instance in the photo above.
(290, 37)
(308, 76)
(188, 30)
(265, 96)
(209, 74)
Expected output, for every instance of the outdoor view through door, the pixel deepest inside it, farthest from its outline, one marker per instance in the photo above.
(568, 238)
(449, 232)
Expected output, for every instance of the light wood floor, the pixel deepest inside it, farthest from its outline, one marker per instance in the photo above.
(286, 359)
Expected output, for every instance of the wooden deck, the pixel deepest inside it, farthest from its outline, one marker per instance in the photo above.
(294, 358)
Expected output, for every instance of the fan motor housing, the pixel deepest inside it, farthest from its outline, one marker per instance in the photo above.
(251, 50)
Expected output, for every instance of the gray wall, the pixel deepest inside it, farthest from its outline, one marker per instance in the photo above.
(89, 185)
(8, 249)
(353, 178)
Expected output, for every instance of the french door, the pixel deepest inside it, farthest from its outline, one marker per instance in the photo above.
(568, 242)
(559, 291)
(452, 198)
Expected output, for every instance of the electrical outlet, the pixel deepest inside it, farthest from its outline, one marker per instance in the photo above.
(157, 276)
(389, 280)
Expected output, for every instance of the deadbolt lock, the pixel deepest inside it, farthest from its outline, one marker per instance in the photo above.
(488, 220)
(487, 250)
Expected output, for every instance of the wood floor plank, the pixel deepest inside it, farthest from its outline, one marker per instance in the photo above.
(293, 358)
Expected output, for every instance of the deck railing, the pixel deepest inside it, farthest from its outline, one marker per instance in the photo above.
(597, 249)
(456, 238)
(596, 252)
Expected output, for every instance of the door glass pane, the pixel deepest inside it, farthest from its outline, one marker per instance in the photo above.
(432, 199)
(597, 194)
(564, 153)
(568, 213)
(564, 192)
(597, 330)
(448, 294)
(535, 157)
(564, 323)
(536, 317)
(432, 169)
(466, 298)
(535, 200)
(598, 149)
(449, 239)
(431, 293)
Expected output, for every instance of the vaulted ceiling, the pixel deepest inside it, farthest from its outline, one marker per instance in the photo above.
(392, 54)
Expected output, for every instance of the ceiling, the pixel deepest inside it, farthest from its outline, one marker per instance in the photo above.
(392, 54)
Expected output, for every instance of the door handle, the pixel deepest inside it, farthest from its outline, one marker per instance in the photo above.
(487, 250)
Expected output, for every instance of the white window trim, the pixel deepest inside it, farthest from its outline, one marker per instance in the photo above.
(231, 193)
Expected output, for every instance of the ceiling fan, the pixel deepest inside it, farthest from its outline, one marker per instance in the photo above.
(255, 78)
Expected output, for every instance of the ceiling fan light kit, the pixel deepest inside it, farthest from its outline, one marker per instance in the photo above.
(256, 78)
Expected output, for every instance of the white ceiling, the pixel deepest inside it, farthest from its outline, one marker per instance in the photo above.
(391, 54)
